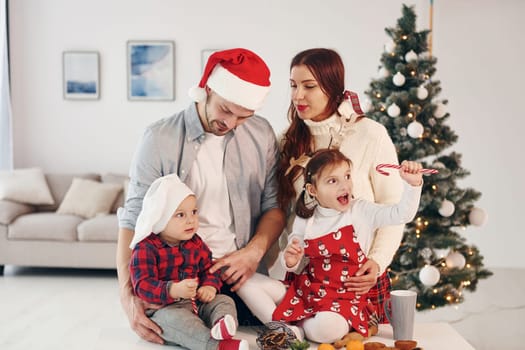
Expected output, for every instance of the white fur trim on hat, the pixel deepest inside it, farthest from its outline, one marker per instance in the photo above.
(160, 202)
(197, 93)
(238, 91)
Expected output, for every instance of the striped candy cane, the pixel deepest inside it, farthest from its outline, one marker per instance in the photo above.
(382, 172)
(194, 302)
(194, 306)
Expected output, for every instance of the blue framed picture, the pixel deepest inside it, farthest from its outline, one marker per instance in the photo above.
(151, 70)
(81, 75)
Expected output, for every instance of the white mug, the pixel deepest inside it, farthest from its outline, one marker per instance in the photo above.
(401, 313)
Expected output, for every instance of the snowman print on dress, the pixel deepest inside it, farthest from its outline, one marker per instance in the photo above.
(338, 235)
(326, 264)
(323, 251)
(344, 274)
(336, 307)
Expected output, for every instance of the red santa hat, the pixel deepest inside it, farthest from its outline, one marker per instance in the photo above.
(237, 75)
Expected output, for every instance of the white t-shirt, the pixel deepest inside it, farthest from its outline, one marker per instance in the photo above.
(208, 181)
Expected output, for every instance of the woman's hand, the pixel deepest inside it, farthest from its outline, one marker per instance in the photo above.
(364, 279)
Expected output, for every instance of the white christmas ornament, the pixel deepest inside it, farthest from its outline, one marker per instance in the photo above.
(455, 259)
(383, 72)
(398, 79)
(477, 216)
(429, 275)
(441, 252)
(438, 165)
(440, 110)
(393, 110)
(411, 56)
(390, 46)
(424, 55)
(447, 208)
(415, 129)
(422, 93)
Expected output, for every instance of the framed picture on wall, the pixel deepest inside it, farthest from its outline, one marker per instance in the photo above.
(151, 70)
(205, 54)
(81, 75)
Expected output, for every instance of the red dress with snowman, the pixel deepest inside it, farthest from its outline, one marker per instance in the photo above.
(333, 257)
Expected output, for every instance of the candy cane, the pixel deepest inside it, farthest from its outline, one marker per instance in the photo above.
(194, 306)
(382, 172)
(194, 302)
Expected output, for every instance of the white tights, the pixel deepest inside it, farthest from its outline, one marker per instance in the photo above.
(325, 327)
(262, 294)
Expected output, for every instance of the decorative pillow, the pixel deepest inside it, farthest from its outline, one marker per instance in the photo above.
(88, 198)
(27, 186)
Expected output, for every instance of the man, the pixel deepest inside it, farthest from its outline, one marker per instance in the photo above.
(228, 156)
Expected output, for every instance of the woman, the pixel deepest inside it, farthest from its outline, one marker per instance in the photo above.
(323, 115)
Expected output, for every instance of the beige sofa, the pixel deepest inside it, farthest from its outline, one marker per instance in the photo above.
(36, 235)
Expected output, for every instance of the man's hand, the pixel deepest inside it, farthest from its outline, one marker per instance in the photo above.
(237, 267)
(140, 323)
(364, 279)
(206, 293)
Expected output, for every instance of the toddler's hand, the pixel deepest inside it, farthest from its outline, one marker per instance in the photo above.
(185, 289)
(410, 172)
(206, 293)
(293, 253)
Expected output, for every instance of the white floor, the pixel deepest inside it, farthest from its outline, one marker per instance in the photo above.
(54, 309)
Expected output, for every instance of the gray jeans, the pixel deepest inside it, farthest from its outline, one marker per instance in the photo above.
(180, 325)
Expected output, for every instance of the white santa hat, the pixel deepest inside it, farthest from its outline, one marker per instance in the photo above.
(237, 75)
(160, 202)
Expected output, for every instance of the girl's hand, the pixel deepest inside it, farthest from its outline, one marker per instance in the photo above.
(206, 293)
(410, 172)
(185, 289)
(293, 253)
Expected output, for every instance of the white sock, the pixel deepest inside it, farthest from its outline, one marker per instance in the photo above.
(225, 328)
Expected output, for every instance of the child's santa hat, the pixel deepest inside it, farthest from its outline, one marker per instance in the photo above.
(237, 75)
(160, 202)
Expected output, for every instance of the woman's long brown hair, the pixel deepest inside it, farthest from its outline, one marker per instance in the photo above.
(327, 68)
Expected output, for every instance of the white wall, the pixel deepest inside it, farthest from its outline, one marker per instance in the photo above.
(479, 46)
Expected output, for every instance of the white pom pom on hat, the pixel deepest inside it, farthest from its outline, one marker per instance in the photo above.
(237, 75)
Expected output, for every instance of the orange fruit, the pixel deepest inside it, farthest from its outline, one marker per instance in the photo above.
(354, 344)
(325, 346)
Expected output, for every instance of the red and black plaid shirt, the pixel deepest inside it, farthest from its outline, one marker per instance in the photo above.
(154, 263)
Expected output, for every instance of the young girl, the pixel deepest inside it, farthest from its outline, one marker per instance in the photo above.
(169, 268)
(332, 232)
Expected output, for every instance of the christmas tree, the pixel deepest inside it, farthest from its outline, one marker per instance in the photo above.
(433, 259)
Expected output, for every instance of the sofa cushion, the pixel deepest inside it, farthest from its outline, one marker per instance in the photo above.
(87, 198)
(44, 226)
(100, 228)
(11, 210)
(27, 186)
(120, 180)
(59, 184)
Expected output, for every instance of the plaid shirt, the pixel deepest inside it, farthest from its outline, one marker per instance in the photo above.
(154, 264)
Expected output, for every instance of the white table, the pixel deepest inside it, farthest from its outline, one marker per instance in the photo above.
(429, 336)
